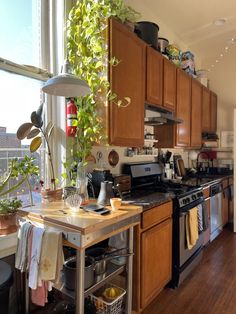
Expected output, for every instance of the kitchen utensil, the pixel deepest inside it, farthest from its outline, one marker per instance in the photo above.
(181, 172)
(99, 157)
(162, 44)
(101, 256)
(73, 201)
(168, 156)
(93, 266)
(148, 31)
(115, 203)
(105, 194)
(69, 269)
(113, 158)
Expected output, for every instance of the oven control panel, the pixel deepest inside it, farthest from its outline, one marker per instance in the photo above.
(190, 198)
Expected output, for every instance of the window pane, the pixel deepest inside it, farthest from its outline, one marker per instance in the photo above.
(20, 31)
(18, 98)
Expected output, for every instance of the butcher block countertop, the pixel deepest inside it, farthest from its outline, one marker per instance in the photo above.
(57, 214)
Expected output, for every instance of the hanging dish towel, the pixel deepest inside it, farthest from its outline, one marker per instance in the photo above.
(200, 218)
(205, 216)
(35, 257)
(22, 246)
(51, 255)
(191, 224)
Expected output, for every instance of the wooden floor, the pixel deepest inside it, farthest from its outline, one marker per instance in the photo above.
(211, 289)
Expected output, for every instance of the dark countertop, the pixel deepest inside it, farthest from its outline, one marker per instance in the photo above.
(206, 179)
(149, 200)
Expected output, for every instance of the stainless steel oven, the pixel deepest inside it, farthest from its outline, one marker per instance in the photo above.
(146, 179)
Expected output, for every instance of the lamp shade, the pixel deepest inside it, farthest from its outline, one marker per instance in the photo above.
(66, 84)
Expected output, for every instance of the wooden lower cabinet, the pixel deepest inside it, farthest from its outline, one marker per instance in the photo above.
(155, 260)
(153, 255)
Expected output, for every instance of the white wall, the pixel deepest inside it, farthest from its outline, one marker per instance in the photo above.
(222, 80)
(147, 14)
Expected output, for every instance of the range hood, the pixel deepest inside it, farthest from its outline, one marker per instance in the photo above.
(156, 116)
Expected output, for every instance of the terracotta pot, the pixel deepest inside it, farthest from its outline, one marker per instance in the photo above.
(51, 195)
(8, 224)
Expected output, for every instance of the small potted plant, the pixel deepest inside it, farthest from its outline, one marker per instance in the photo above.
(34, 130)
(8, 210)
(20, 171)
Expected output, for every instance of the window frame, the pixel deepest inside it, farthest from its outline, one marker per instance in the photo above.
(53, 18)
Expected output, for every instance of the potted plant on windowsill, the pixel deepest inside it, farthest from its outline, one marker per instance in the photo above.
(20, 171)
(8, 211)
(34, 130)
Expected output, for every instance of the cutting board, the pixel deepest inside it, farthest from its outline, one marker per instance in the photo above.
(181, 172)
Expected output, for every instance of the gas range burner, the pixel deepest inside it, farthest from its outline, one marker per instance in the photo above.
(176, 188)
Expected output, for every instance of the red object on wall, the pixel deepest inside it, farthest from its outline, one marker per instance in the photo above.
(212, 155)
(71, 118)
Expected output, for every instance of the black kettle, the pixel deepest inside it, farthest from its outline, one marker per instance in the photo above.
(106, 193)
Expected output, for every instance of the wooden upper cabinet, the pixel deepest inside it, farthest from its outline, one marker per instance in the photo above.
(126, 124)
(154, 77)
(169, 85)
(206, 110)
(209, 111)
(196, 114)
(183, 108)
(213, 112)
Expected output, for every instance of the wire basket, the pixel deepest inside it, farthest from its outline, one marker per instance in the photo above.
(105, 307)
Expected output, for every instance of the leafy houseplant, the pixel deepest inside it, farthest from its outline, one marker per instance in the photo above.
(20, 170)
(8, 210)
(34, 130)
(88, 56)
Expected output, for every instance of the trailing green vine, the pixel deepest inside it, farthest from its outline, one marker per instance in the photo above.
(87, 51)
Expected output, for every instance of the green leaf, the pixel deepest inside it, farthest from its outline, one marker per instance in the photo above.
(35, 144)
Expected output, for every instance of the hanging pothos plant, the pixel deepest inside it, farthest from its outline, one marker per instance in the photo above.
(87, 51)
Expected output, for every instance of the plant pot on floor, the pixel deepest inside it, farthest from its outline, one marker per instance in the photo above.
(49, 196)
(8, 223)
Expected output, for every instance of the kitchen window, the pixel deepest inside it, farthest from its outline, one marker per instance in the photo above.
(28, 45)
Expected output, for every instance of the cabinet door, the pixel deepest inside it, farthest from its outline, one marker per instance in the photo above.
(169, 85)
(206, 110)
(126, 124)
(154, 77)
(213, 122)
(156, 259)
(196, 114)
(183, 109)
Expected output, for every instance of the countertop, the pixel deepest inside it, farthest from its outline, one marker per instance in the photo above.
(205, 180)
(150, 200)
(57, 214)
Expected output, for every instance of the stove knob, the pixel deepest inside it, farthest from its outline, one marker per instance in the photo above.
(186, 200)
(194, 197)
(199, 194)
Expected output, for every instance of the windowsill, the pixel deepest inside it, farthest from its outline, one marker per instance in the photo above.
(8, 244)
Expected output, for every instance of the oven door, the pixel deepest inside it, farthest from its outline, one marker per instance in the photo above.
(185, 253)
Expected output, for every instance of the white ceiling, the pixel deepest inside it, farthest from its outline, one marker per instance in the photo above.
(192, 23)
